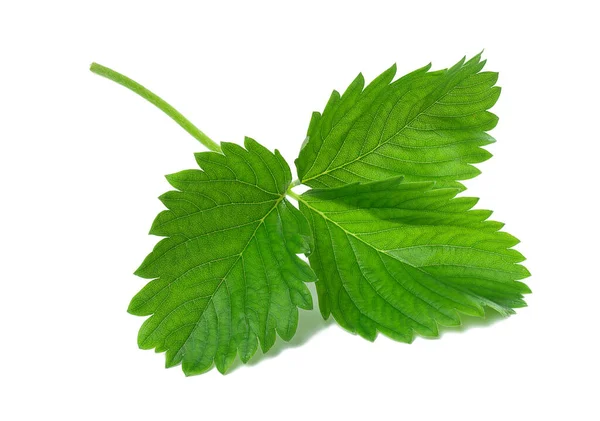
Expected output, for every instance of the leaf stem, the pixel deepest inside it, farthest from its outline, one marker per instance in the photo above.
(292, 193)
(158, 102)
(295, 183)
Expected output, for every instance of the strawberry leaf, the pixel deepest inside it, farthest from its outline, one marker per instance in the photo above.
(227, 274)
(424, 126)
(399, 258)
(394, 249)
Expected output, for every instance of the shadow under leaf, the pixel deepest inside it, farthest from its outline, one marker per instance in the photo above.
(310, 323)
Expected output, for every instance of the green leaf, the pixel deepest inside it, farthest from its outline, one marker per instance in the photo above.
(425, 126)
(402, 258)
(394, 249)
(227, 274)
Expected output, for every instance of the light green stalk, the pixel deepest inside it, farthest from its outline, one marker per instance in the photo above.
(159, 102)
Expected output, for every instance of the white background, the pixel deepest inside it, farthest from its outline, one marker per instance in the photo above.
(82, 162)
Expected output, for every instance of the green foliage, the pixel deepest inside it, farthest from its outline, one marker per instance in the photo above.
(227, 272)
(392, 248)
(424, 126)
(402, 257)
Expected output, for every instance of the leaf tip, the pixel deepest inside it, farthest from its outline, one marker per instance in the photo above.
(171, 179)
(221, 366)
(132, 307)
(524, 288)
(138, 271)
(247, 354)
(525, 273)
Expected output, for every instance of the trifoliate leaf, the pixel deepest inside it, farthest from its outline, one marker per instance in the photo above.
(424, 126)
(400, 257)
(395, 251)
(227, 273)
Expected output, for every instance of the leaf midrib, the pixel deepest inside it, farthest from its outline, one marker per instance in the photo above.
(379, 145)
(392, 257)
(223, 278)
(260, 224)
(324, 216)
